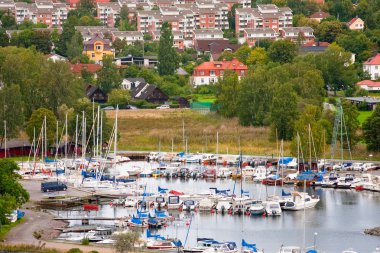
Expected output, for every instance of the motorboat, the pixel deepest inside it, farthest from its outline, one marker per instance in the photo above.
(260, 173)
(131, 170)
(146, 172)
(208, 159)
(137, 222)
(224, 172)
(300, 201)
(160, 202)
(171, 171)
(225, 247)
(248, 172)
(350, 250)
(174, 202)
(194, 158)
(210, 173)
(160, 244)
(290, 249)
(190, 205)
(241, 205)
(153, 156)
(224, 205)
(367, 182)
(206, 205)
(202, 245)
(345, 182)
(331, 181)
(130, 202)
(257, 208)
(273, 208)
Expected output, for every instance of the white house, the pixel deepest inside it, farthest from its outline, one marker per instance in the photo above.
(372, 66)
(369, 85)
(131, 83)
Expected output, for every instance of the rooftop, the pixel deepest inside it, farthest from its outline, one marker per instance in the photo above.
(373, 60)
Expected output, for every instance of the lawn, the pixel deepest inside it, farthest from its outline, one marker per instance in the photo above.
(205, 98)
(363, 115)
(4, 229)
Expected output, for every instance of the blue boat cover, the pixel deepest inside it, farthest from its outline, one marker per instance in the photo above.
(162, 190)
(284, 193)
(177, 243)
(248, 245)
(311, 251)
(136, 220)
(285, 160)
(149, 235)
(20, 214)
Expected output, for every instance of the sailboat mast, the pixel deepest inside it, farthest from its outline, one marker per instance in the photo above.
(56, 141)
(65, 138)
(298, 153)
(172, 145)
(101, 133)
(45, 138)
(83, 137)
(97, 132)
(310, 166)
(76, 137)
(115, 143)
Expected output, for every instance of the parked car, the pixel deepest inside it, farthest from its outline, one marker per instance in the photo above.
(163, 107)
(109, 108)
(53, 186)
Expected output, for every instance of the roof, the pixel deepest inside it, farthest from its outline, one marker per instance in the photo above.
(369, 100)
(320, 14)
(353, 21)
(316, 44)
(373, 60)
(92, 68)
(369, 83)
(208, 31)
(92, 89)
(216, 46)
(211, 65)
(89, 45)
(144, 91)
(15, 143)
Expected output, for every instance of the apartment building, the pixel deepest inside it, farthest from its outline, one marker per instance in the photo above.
(264, 16)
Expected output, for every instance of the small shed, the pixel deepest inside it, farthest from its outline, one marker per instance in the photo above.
(15, 148)
(370, 101)
(96, 94)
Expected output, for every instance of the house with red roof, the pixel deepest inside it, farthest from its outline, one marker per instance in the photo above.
(210, 72)
(318, 16)
(90, 67)
(369, 85)
(372, 66)
(355, 24)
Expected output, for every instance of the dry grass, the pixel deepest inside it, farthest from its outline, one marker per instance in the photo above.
(153, 129)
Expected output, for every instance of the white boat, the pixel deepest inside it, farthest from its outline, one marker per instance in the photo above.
(223, 172)
(202, 245)
(273, 208)
(174, 202)
(224, 205)
(300, 201)
(350, 250)
(260, 173)
(257, 208)
(344, 182)
(190, 205)
(367, 182)
(194, 158)
(248, 172)
(290, 249)
(130, 202)
(160, 202)
(222, 248)
(127, 168)
(153, 156)
(206, 205)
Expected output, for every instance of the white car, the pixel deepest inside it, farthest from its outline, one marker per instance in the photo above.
(163, 107)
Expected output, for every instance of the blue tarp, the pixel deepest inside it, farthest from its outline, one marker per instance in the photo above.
(306, 175)
(136, 220)
(20, 214)
(285, 160)
(248, 245)
(284, 193)
(162, 190)
(149, 235)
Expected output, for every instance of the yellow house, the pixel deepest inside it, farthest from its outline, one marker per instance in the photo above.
(97, 47)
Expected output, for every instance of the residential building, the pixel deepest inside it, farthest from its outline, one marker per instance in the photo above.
(7, 5)
(207, 34)
(94, 93)
(88, 32)
(132, 83)
(129, 36)
(356, 24)
(142, 61)
(178, 40)
(42, 11)
(251, 36)
(214, 48)
(372, 66)
(369, 85)
(210, 72)
(90, 67)
(97, 47)
(56, 57)
(318, 16)
(264, 16)
(150, 93)
(299, 35)
(371, 102)
(314, 47)
(107, 13)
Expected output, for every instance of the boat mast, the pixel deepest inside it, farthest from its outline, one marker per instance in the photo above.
(172, 145)
(115, 143)
(45, 139)
(65, 139)
(83, 138)
(298, 152)
(310, 165)
(101, 133)
(97, 132)
(76, 137)
(183, 134)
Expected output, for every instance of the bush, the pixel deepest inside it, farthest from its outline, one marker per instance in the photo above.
(125, 242)
(332, 100)
(38, 234)
(74, 250)
(85, 241)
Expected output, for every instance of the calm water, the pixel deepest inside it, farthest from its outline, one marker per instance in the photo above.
(339, 219)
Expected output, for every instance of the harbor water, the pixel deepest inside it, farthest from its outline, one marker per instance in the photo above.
(335, 224)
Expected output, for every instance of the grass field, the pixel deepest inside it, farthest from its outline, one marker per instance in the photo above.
(4, 229)
(363, 116)
(151, 130)
(205, 98)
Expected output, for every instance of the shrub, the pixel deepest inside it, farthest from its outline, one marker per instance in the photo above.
(85, 241)
(74, 250)
(125, 242)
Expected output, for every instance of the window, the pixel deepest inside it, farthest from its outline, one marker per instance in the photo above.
(92, 55)
(274, 21)
(376, 67)
(266, 21)
(210, 21)
(202, 73)
(98, 47)
(202, 80)
(203, 16)
(212, 73)
(242, 72)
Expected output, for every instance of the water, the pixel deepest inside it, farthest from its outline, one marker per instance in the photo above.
(339, 219)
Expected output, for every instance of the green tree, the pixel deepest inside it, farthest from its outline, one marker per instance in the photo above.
(12, 194)
(328, 31)
(86, 8)
(41, 40)
(4, 39)
(371, 131)
(282, 51)
(257, 56)
(36, 121)
(357, 43)
(243, 53)
(7, 20)
(226, 55)
(22, 39)
(125, 241)
(11, 110)
(284, 112)
(226, 94)
(351, 114)
(119, 97)
(167, 56)
(75, 46)
(108, 77)
(231, 16)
